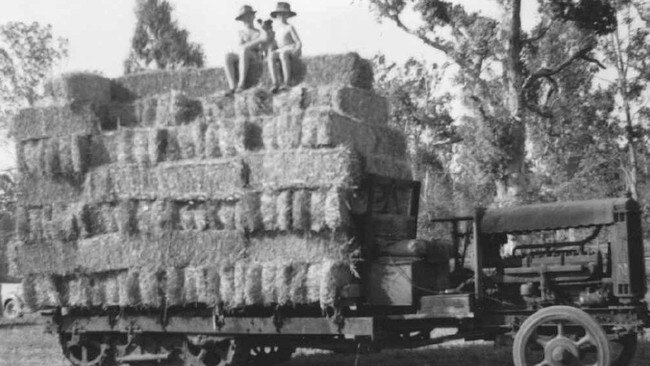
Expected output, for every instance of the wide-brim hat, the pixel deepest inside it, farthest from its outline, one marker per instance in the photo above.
(283, 8)
(245, 10)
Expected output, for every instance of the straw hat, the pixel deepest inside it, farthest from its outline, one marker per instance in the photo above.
(245, 10)
(283, 8)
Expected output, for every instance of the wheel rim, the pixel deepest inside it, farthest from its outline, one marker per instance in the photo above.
(11, 310)
(86, 353)
(561, 336)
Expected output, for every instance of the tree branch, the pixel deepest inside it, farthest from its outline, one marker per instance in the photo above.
(448, 50)
(544, 72)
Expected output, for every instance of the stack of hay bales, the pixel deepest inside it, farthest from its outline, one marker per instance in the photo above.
(154, 190)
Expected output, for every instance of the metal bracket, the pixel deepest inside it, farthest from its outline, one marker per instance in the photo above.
(132, 331)
(76, 332)
(218, 318)
(278, 319)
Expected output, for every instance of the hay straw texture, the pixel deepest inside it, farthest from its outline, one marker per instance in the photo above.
(57, 121)
(79, 87)
(359, 104)
(309, 168)
(180, 181)
(348, 69)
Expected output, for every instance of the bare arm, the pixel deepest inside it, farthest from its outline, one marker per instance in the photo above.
(296, 39)
(263, 38)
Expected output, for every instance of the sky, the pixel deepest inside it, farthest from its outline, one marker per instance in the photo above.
(99, 31)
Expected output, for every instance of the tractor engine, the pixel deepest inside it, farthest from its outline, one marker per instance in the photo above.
(588, 254)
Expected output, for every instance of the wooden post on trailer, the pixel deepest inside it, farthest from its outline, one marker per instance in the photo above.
(478, 257)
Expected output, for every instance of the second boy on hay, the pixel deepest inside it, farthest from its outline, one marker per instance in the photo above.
(287, 45)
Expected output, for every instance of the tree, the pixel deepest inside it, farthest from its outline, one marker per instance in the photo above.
(499, 83)
(422, 113)
(628, 50)
(159, 42)
(27, 54)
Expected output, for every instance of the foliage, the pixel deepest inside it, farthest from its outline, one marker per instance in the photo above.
(158, 40)
(503, 86)
(27, 54)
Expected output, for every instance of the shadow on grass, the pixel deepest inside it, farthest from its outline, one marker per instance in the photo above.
(458, 354)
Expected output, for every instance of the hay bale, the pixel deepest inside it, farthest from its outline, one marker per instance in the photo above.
(79, 145)
(57, 121)
(283, 274)
(174, 286)
(111, 288)
(66, 163)
(269, 133)
(300, 209)
(79, 292)
(269, 292)
(317, 210)
(268, 210)
(45, 291)
(185, 139)
(191, 284)
(98, 291)
(284, 206)
(28, 284)
(253, 102)
(123, 282)
(227, 284)
(35, 217)
(334, 276)
(298, 289)
(150, 287)
(361, 104)
(212, 215)
(51, 156)
(337, 209)
(33, 153)
(157, 145)
(212, 144)
(213, 287)
(217, 107)
(346, 69)
(313, 282)
(239, 298)
(187, 218)
(227, 215)
(310, 168)
(201, 219)
(232, 135)
(253, 294)
(22, 222)
(288, 126)
(79, 87)
(140, 148)
(125, 146)
(126, 217)
(132, 289)
(306, 247)
(248, 217)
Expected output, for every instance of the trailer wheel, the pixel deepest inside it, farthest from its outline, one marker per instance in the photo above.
(559, 336)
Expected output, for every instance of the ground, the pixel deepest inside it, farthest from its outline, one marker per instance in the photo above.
(23, 343)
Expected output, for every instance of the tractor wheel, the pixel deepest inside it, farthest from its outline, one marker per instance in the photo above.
(560, 336)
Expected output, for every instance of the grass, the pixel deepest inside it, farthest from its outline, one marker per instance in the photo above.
(23, 343)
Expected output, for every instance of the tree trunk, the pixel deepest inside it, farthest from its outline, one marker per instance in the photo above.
(510, 187)
(631, 174)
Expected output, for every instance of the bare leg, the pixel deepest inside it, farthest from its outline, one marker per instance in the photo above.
(244, 62)
(231, 62)
(285, 59)
(271, 65)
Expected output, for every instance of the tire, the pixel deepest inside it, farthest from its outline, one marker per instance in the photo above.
(12, 309)
(627, 349)
(558, 349)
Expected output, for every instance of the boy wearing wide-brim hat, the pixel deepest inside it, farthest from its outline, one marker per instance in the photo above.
(288, 45)
(251, 41)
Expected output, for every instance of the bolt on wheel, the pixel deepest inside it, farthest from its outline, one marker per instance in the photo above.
(561, 336)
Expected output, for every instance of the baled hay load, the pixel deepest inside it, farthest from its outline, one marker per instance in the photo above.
(80, 88)
(233, 285)
(169, 194)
